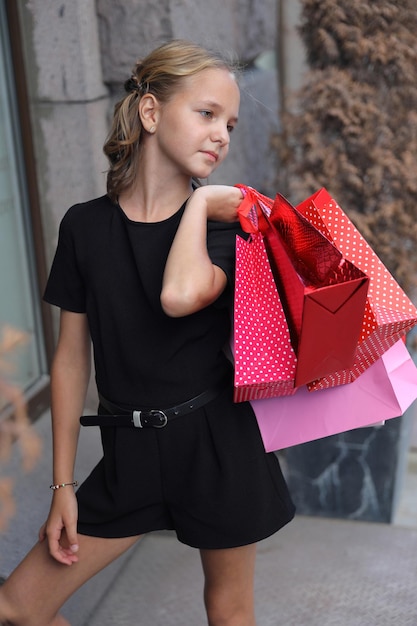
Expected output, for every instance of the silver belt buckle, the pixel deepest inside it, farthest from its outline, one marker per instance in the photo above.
(137, 420)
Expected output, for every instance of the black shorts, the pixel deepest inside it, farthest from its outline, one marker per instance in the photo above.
(205, 475)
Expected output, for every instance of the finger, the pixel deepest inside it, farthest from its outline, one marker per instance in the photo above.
(72, 538)
(61, 554)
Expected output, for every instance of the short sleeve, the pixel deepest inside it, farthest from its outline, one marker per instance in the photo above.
(221, 246)
(65, 287)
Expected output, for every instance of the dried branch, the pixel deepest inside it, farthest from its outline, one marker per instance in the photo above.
(353, 126)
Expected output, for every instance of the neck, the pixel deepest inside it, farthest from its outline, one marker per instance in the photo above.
(155, 201)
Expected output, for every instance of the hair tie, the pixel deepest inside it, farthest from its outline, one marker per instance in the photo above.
(132, 84)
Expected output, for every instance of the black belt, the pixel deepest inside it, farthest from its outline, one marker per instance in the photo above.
(149, 418)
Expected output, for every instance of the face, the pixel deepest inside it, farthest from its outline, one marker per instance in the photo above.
(194, 127)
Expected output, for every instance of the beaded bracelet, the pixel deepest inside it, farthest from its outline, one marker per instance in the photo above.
(55, 487)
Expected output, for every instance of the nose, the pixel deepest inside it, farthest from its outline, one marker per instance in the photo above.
(221, 134)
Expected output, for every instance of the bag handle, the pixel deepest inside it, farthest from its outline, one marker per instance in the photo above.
(253, 205)
(314, 257)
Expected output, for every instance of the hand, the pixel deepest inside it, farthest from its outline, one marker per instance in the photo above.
(60, 529)
(222, 201)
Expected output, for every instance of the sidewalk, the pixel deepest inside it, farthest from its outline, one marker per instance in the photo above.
(315, 572)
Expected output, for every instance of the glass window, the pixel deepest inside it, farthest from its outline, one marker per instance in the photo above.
(19, 301)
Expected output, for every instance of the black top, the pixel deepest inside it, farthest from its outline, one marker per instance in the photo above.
(112, 268)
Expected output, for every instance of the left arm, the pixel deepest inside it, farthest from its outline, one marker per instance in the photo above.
(191, 281)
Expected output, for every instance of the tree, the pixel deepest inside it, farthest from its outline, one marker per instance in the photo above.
(353, 125)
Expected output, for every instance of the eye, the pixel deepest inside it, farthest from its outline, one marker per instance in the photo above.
(230, 128)
(207, 114)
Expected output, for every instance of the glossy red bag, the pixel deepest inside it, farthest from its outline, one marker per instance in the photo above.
(389, 313)
(322, 293)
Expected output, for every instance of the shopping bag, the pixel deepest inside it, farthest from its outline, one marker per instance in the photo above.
(322, 293)
(263, 355)
(389, 313)
(384, 391)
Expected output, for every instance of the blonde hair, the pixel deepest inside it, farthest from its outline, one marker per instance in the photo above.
(161, 74)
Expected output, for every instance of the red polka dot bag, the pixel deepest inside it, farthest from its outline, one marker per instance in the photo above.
(264, 359)
(389, 313)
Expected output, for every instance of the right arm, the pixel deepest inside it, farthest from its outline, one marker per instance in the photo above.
(191, 281)
(70, 375)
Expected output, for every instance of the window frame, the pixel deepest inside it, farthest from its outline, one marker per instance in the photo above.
(38, 398)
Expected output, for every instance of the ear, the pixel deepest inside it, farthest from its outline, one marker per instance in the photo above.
(149, 111)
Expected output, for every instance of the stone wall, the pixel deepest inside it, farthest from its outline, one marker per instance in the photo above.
(244, 28)
(68, 104)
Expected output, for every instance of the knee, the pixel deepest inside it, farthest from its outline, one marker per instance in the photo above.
(6, 613)
(11, 615)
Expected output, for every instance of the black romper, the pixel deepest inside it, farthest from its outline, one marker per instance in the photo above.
(205, 474)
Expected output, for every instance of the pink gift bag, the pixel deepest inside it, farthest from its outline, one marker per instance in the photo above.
(384, 391)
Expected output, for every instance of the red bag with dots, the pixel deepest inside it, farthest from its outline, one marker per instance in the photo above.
(389, 313)
(264, 359)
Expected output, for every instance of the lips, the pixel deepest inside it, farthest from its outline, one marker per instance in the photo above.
(213, 156)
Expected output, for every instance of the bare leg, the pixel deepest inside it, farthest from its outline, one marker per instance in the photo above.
(229, 586)
(39, 586)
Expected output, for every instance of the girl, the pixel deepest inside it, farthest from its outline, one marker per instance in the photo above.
(146, 273)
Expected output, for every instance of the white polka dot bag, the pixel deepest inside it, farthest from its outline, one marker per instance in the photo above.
(389, 313)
